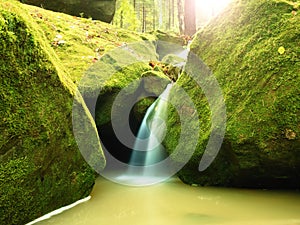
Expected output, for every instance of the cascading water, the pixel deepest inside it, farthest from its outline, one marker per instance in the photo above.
(148, 163)
(147, 147)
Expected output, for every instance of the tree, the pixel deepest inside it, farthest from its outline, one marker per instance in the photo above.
(180, 16)
(148, 15)
(189, 17)
(125, 16)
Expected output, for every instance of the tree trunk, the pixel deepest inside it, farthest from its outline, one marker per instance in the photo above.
(160, 17)
(170, 13)
(144, 19)
(173, 12)
(121, 19)
(153, 16)
(189, 17)
(180, 16)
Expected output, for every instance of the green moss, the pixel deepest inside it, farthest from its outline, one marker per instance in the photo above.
(44, 55)
(40, 161)
(80, 42)
(131, 76)
(260, 85)
(124, 85)
(113, 86)
(170, 37)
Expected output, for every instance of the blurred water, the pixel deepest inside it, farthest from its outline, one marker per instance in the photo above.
(147, 147)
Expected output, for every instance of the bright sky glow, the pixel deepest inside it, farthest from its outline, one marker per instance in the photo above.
(207, 9)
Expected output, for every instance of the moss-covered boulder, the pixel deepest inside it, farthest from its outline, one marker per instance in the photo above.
(169, 43)
(119, 89)
(41, 168)
(80, 42)
(253, 51)
(103, 10)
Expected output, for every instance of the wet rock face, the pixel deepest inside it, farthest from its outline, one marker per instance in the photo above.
(103, 10)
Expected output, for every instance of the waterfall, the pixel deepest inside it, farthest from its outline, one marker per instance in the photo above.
(147, 148)
(149, 162)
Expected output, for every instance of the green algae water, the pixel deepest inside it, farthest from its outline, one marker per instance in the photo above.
(175, 203)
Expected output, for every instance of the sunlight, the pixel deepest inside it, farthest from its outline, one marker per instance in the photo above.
(210, 8)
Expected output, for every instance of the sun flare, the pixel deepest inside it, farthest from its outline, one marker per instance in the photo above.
(210, 8)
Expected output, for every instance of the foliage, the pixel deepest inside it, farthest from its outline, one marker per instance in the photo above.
(147, 15)
(125, 16)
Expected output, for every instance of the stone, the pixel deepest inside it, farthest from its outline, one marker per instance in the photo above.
(41, 167)
(261, 147)
(102, 10)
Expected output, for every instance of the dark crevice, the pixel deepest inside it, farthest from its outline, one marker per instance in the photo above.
(112, 144)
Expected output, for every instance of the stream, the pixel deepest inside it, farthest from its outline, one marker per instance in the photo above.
(175, 203)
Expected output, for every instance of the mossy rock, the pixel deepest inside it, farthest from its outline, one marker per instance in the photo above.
(169, 37)
(79, 42)
(127, 85)
(168, 43)
(103, 10)
(141, 82)
(174, 60)
(253, 51)
(41, 168)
